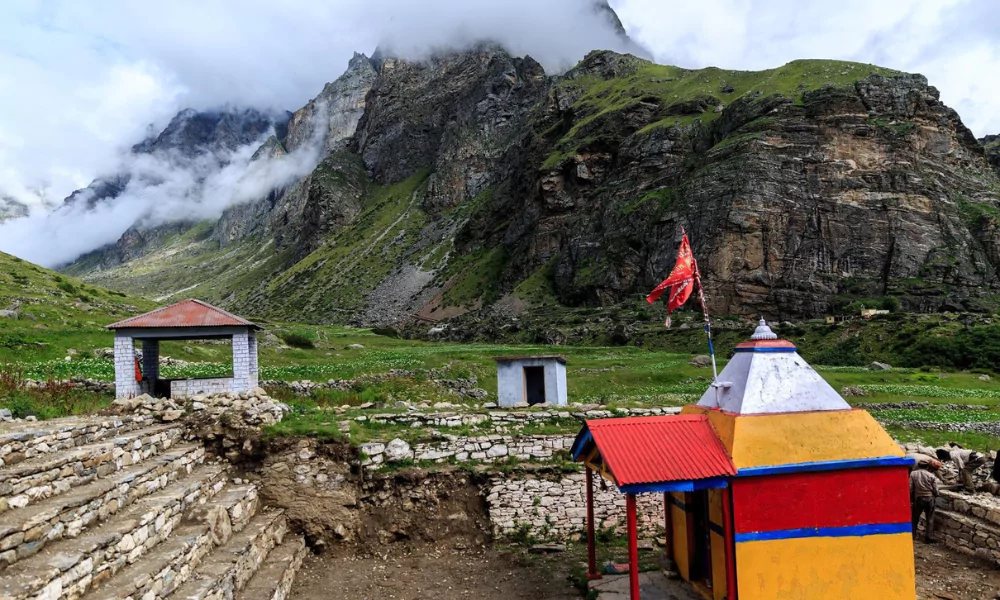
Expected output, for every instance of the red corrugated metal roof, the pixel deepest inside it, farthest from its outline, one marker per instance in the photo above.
(660, 449)
(188, 313)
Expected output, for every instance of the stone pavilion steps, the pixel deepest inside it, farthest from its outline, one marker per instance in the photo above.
(25, 531)
(67, 568)
(229, 568)
(21, 441)
(170, 564)
(273, 581)
(51, 474)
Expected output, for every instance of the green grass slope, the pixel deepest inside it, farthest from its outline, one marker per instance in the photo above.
(55, 312)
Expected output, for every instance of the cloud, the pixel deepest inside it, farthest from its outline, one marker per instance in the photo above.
(163, 187)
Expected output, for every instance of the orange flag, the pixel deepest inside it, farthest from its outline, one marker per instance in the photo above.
(681, 279)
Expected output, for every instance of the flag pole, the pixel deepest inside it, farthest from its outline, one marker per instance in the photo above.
(708, 320)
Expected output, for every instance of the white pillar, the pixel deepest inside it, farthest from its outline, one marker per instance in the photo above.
(254, 379)
(241, 362)
(125, 384)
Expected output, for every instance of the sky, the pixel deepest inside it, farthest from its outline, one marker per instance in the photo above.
(80, 82)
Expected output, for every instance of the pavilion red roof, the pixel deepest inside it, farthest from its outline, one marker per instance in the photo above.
(646, 450)
(187, 313)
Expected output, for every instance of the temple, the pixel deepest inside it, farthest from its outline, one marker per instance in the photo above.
(773, 486)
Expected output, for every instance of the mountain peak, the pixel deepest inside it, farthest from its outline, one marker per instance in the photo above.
(191, 132)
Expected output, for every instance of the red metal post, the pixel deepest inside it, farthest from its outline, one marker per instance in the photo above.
(591, 543)
(633, 547)
(668, 527)
(727, 517)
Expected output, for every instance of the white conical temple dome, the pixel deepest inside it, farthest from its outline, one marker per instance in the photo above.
(767, 375)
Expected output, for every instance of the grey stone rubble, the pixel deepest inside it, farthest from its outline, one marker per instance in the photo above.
(125, 508)
(254, 408)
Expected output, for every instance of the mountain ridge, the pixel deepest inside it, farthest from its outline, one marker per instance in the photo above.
(474, 185)
(503, 163)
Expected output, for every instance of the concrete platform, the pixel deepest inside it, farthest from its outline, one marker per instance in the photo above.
(653, 585)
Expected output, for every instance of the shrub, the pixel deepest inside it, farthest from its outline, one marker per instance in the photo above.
(67, 287)
(298, 340)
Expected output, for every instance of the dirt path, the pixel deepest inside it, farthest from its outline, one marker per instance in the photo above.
(943, 574)
(501, 574)
(439, 575)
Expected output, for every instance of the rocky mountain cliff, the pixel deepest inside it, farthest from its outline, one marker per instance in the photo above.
(475, 183)
(992, 145)
(195, 143)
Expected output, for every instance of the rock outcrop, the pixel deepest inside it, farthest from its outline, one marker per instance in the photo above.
(992, 145)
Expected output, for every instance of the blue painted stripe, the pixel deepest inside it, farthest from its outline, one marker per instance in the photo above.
(678, 503)
(764, 349)
(581, 444)
(827, 465)
(674, 486)
(851, 531)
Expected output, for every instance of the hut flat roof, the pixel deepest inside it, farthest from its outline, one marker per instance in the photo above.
(558, 357)
(187, 313)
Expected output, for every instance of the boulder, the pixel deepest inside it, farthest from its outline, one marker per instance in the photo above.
(879, 366)
(397, 450)
(355, 347)
(984, 377)
(171, 415)
(8, 314)
(701, 361)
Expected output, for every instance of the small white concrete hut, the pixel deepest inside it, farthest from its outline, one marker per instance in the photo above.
(531, 380)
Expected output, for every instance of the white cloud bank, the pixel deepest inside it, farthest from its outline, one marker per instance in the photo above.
(163, 187)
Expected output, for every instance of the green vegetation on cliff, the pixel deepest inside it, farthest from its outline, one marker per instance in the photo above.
(686, 96)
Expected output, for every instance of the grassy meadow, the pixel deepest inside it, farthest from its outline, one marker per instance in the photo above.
(610, 377)
(59, 333)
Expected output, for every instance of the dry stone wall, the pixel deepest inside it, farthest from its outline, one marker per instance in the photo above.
(486, 449)
(555, 506)
(970, 524)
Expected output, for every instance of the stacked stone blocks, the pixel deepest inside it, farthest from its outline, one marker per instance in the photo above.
(123, 509)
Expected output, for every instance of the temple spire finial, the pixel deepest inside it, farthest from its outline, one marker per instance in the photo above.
(763, 332)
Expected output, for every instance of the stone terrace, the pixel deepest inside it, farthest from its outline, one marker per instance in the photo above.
(120, 508)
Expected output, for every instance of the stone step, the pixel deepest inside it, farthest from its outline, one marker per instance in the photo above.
(171, 563)
(273, 581)
(21, 441)
(67, 568)
(229, 567)
(51, 474)
(26, 531)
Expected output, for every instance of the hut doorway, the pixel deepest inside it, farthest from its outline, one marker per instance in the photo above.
(534, 385)
(701, 548)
